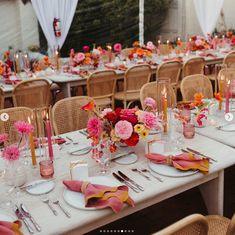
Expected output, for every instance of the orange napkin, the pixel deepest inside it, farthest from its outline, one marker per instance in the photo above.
(9, 228)
(183, 161)
(101, 196)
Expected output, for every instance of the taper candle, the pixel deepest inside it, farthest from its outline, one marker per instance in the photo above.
(32, 148)
(221, 91)
(227, 97)
(164, 109)
(17, 63)
(57, 59)
(109, 53)
(49, 142)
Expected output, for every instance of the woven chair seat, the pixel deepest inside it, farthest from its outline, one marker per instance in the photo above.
(129, 96)
(218, 225)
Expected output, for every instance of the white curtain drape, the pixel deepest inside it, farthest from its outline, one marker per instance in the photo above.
(141, 22)
(47, 10)
(208, 12)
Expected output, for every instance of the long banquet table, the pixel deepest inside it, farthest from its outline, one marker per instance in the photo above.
(82, 221)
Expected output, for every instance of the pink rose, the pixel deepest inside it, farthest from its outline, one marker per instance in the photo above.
(94, 126)
(150, 102)
(3, 138)
(11, 153)
(79, 57)
(117, 47)
(106, 111)
(123, 130)
(23, 127)
(198, 42)
(149, 120)
(150, 45)
(86, 49)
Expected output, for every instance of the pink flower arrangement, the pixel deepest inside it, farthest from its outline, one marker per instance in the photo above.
(117, 47)
(86, 49)
(150, 103)
(149, 119)
(150, 45)
(79, 57)
(123, 129)
(105, 112)
(3, 138)
(11, 153)
(95, 126)
(23, 127)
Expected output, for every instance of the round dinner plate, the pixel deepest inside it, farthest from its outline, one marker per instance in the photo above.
(229, 127)
(40, 188)
(77, 200)
(169, 171)
(129, 159)
(6, 217)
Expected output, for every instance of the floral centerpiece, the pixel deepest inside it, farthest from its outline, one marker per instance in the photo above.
(140, 52)
(125, 126)
(198, 43)
(5, 70)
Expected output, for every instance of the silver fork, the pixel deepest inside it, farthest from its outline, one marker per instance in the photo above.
(57, 202)
(156, 177)
(47, 201)
(141, 173)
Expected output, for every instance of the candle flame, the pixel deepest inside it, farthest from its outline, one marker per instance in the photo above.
(164, 92)
(159, 41)
(228, 82)
(216, 36)
(29, 120)
(167, 41)
(178, 38)
(109, 48)
(56, 52)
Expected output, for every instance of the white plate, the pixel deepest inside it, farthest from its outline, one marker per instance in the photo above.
(80, 150)
(6, 217)
(40, 188)
(170, 171)
(129, 159)
(76, 199)
(229, 127)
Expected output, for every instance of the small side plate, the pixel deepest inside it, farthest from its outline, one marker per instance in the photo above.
(40, 188)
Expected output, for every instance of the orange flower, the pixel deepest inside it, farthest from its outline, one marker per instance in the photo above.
(89, 106)
(46, 60)
(218, 96)
(87, 60)
(1, 70)
(139, 52)
(136, 44)
(198, 99)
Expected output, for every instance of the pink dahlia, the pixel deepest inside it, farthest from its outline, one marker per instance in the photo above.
(3, 138)
(150, 102)
(149, 120)
(23, 127)
(79, 57)
(11, 153)
(117, 47)
(150, 45)
(129, 115)
(94, 126)
(123, 130)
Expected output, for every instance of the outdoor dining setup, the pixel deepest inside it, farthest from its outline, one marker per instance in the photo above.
(92, 137)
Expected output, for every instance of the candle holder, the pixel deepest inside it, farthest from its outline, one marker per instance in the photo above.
(46, 168)
(189, 130)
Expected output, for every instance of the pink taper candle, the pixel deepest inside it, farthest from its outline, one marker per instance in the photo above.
(48, 129)
(227, 97)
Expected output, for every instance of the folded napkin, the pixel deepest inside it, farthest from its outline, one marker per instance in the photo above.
(9, 228)
(101, 196)
(183, 161)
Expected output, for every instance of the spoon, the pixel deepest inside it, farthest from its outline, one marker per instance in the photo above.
(57, 202)
(47, 201)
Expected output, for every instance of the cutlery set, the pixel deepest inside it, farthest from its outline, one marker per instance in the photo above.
(23, 214)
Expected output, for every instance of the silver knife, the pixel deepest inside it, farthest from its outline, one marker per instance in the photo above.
(130, 180)
(20, 216)
(119, 178)
(199, 153)
(27, 214)
(36, 183)
(122, 155)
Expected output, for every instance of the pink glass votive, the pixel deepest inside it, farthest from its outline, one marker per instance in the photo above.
(188, 130)
(46, 168)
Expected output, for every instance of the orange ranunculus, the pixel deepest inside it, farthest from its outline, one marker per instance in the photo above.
(198, 99)
(139, 52)
(89, 106)
(1, 70)
(136, 44)
(148, 53)
(218, 96)
(87, 61)
(46, 60)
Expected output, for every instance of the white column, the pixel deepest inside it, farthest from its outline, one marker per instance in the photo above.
(141, 22)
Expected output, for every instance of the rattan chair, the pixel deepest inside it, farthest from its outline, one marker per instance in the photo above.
(227, 73)
(134, 78)
(195, 224)
(165, 49)
(101, 87)
(67, 114)
(193, 66)
(172, 70)
(197, 83)
(33, 93)
(1, 98)
(229, 60)
(150, 90)
(16, 114)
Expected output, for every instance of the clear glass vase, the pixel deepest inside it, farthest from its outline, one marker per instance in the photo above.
(101, 153)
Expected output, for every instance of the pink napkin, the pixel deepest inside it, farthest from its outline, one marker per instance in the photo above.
(183, 161)
(101, 196)
(9, 228)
